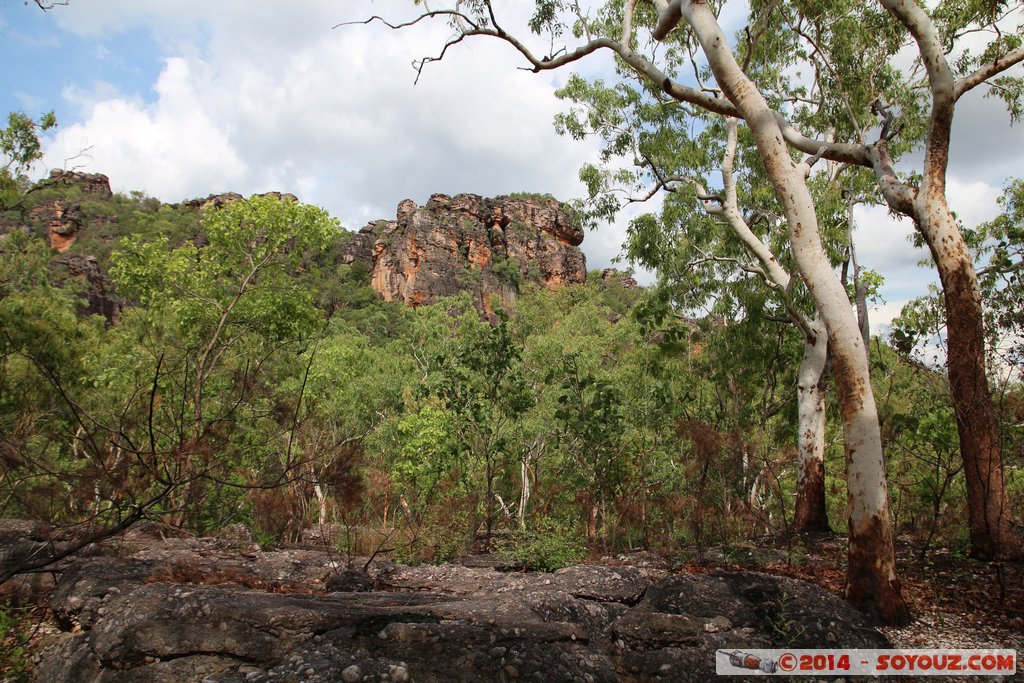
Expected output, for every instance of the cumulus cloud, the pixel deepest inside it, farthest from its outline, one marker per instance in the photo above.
(170, 149)
(268, 97)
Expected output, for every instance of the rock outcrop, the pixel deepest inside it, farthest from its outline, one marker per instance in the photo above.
(611, 276)
(187, 609)
(469, 243)
(92, 184)
(99, 295)
(62, 220)
(62, 217)
(216, 200)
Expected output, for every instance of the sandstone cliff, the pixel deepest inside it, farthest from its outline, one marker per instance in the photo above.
(63, 216)
(489, 247)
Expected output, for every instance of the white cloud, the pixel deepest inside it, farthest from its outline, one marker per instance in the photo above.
(276, 99)
(268, 96)
(170, 149)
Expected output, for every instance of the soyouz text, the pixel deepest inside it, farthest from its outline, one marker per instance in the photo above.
(933, 662)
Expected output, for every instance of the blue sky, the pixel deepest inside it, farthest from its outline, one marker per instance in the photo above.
(49, 64)
(187, 98)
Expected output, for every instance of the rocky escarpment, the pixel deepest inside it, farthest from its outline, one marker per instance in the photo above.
(223, 198)
(63, 216)
(469, 243)
(193, 609)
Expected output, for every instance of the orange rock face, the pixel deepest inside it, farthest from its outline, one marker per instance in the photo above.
(488, 247)
(62, 219)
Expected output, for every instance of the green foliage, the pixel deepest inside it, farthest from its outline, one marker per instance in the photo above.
(425, 460)
(550, 546)
(241, 278)
(590, 416)
(508, 271)
(535, 196)
(267, 384)
(998, 250)
(15, 656)
(19, 149)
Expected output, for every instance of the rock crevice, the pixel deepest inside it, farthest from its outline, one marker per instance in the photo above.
(488, 247)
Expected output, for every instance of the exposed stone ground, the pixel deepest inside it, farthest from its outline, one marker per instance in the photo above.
(956, 602)
(145, 608)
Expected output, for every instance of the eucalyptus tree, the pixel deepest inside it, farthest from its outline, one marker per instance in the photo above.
(684, 29)
(887, 80)
(704, 264)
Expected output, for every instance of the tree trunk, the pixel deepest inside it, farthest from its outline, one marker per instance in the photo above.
(524, 489)
(321, 500)
(871, 574)
(987, 503)
(811, 515)
(988, 507)
(860, 290)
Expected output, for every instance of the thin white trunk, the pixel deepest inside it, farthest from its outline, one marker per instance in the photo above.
(321, 500)
(524, 489)
(810, 491)
(810, 509)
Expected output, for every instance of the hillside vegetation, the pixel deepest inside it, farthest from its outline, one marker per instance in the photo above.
(251, 377)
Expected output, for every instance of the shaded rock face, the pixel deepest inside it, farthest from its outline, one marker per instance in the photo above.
(182, 609)
(100, 298)
(468, 243)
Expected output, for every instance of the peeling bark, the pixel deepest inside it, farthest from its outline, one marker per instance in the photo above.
(811, 515)
(989, 514)
(988, 507)
(882, 600)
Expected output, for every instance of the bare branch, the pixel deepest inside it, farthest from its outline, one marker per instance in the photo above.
(1002, 270)
(835, 75)
(20, 567)
(849, 153)
(47, 6)
(413, 22)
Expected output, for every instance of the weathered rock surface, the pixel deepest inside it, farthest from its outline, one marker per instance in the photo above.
(489, 247)
(611, 276)
(216, 200)
(62, 217)
(92, 184)
(191, 610)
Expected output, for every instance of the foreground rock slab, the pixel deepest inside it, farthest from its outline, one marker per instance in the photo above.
(186, 610)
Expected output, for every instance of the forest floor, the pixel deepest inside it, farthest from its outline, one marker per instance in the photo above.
(956, 602)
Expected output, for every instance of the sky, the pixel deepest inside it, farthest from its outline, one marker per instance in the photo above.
(188, 98)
